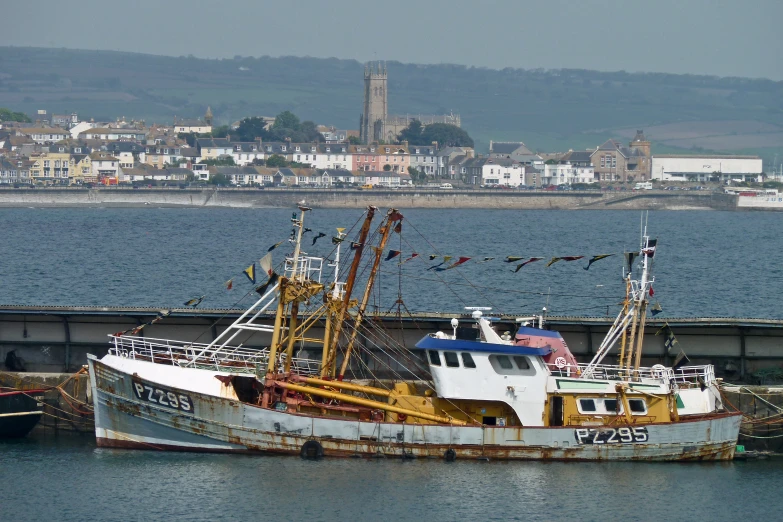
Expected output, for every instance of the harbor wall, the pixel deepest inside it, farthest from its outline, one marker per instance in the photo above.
(57, 339)
(351, 198)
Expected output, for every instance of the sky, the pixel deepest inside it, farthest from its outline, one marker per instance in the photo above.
(716, 37)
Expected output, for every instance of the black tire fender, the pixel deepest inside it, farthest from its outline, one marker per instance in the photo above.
(450, 455)
(311, 450)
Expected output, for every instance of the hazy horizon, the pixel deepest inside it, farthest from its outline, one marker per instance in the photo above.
(702, 37)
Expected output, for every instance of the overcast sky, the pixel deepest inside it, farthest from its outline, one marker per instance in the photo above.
(720, 37)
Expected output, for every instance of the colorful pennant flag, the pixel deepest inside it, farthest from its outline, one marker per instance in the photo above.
(229, 284)
(433, 256)
(446, 259)
(319, 236)
(340, 231)
(306, 230)
(195, 301)
(250, 272)
(455, 264)
(486, 259)
(413, 256)
(531, 260)
(275, 246)
(392, 254)
(261, 289)
(513, 259)
(355, 245)
(629, 258)
(553, 261)
(656, 309)
(596, 258)
(265, 264)
(649, 250)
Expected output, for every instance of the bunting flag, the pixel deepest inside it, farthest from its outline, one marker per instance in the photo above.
(553, 261)
(376, 249)
(459, 261)
(275, 246)
(265, 264)
(656, 309)
(531, 260)
(337, 240)
(195, 301)
(306, 230)
(355, 245)
(261, 289)
(392, 254)
(629, 258)
(133, 331)
(652, 292)
(229, 284)
(340, 231)
(513, 259)
(413, 256)
(433, 256)
(319, 236)
(398, 227)
(680, 359)
(250, 272)
(596, 258)
(485, 260)
(649, 250)
(446, 259)
(564, 258)
(670, 343)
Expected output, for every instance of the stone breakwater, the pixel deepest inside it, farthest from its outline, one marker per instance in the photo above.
(349, 198)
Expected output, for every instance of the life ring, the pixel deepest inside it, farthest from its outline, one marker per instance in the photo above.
(450, 455)
(311, 450)
(561, 363)
(401, 417)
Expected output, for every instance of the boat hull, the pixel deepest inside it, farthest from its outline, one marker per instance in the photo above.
(127, 418)
(20, 411)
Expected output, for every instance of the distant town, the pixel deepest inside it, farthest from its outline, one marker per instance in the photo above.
(393, 151)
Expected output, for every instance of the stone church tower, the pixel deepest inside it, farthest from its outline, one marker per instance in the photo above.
(375, 106)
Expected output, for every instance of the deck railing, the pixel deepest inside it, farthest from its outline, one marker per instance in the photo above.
(685, 375)
(231, 359)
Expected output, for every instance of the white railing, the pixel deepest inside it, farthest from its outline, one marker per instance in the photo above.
(231, 359)
(685, 375)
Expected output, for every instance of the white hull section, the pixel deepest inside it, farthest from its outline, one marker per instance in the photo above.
(134, 411)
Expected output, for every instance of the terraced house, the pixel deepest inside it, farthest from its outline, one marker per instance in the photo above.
(51, 168)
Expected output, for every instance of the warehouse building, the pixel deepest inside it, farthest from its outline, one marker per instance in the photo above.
(704, 167)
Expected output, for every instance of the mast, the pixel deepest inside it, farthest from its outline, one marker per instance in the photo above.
(391, 216)
(340, 316)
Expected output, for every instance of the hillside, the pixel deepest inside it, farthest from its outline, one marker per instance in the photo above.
(549, 110)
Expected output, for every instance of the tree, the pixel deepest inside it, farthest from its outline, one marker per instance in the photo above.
(276, 160)
(286, 120)
(219, 180)
(417, 176)
(220, 131)
(9, 115)
(354, 140)
(387, 168)
(445, 134)
(412, 133)
(222, 161)
(251, 128)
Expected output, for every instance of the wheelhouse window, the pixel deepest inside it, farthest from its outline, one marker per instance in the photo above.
(611, 406)
(451, 359)
(586, 405)
(434, 358)
(467, 360)
(637, 406)
(514, 365)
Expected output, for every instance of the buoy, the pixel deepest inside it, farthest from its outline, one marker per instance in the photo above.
(450, 455)
(311, 449)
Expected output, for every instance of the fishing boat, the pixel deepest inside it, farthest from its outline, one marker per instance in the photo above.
(20, 411)
(466, 394)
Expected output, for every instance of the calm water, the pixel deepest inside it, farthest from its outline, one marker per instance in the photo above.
(67, 478)
(708, 263)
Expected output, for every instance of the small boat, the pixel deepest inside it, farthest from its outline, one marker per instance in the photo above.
(20, 411)
(471, 393)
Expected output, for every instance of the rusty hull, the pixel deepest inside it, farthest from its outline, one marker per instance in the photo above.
(224, 425)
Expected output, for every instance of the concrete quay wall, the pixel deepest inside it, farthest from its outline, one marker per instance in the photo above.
(351, 198)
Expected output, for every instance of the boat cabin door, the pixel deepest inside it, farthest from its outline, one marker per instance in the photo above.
(556, 410)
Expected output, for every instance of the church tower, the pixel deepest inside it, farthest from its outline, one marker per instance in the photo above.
(208, 116)
(641, 148)
(375, 107)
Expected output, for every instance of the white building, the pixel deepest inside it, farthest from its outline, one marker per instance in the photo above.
(687, 167)
(502, 171)
(387, 179)
(566, 174)
(333, 156)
